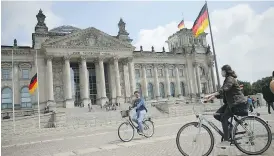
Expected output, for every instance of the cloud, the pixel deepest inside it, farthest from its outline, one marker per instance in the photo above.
(19, 19)
(243, 39)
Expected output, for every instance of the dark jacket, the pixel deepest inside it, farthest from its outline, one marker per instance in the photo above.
(267, 94)
(232, 92)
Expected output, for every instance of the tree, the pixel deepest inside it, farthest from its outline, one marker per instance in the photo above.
(258, 85)
(247, 88)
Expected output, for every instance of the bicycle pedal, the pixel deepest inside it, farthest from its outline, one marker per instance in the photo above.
(223, 148)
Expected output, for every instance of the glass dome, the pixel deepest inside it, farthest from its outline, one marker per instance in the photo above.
(65, 29)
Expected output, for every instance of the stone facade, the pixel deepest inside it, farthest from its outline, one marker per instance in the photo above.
(81, 66)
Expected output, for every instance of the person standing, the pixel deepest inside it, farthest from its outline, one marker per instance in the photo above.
(250, 105)
(268, 95)
(258, 103)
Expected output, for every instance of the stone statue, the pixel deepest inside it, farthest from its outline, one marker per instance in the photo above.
(208, 50)
(122, 27)
(141, 48)
(152, 49)
(41, 18)
(15, 43)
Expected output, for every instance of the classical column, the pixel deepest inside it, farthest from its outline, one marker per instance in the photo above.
(17, 88)
(198, 77)
(126, 80)
(117, 79)
(51, 103)
(112, 83)
(167, 87)
(69, 103)
(102, 80)
(156, 82)
(131, 76)
(189, 81)
(178, 86)
(144, 84)
(211, 66)
(84, 86)
(98, 82)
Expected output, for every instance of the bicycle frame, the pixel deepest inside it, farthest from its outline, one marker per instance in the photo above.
(203, 120)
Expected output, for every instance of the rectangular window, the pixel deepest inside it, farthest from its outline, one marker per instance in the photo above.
(171, 73)
(137, 73)
(181, 72)
(25, 74)
(149, 73)
(160, 73)
(5, 73)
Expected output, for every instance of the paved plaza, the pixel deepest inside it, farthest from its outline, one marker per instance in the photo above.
(104, 141)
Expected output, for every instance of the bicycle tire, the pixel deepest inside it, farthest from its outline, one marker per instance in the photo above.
(124, 140)
(269, 135)
(195, 124)
(144, 124)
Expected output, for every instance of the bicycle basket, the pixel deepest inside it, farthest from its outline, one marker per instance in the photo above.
(125, 113)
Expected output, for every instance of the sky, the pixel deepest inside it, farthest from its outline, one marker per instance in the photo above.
(243, 31)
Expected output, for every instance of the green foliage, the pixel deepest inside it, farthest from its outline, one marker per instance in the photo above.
(258, 85)
(247, 90)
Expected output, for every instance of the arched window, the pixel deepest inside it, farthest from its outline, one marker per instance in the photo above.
(172, 89)
(6, 98)
(25, 98)
(162, 89)
(183, 91)
(139, 88)
(150, 90)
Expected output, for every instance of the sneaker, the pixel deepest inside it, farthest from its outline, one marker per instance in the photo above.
(223, 144)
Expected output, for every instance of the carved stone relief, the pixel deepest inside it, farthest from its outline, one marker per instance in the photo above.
(57, 69)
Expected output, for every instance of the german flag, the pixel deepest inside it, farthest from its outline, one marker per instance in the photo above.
(33, 84)
(181, 25)
(201, 22)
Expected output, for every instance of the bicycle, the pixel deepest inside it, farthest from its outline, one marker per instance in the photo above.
(148, 124)
(234, 132)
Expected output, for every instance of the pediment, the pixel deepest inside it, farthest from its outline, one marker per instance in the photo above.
(90, 37)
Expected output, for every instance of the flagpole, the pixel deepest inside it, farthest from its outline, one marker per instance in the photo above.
(38, 103)
(13, 115)
(213, 48)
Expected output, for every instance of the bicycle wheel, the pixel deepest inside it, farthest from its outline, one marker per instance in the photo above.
(128, 129)
(252, 122)
(191, 137)
(148, 128)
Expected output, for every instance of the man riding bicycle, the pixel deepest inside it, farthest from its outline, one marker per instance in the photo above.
(139, 105)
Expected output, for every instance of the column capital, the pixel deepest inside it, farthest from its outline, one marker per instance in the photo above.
(83, 57)
(155, 65)
(67, 57)
(166, 65)
(210, 64)
(129, 59)
(49, 57)
(195, 64)
(143, 65)
(125, 61)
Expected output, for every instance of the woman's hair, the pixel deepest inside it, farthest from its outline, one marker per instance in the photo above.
(273, 74)
(229, 71)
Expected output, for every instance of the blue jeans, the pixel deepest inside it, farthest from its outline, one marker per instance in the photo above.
(139, 117)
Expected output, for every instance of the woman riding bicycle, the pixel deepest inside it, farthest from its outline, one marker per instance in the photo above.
(234, 101)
